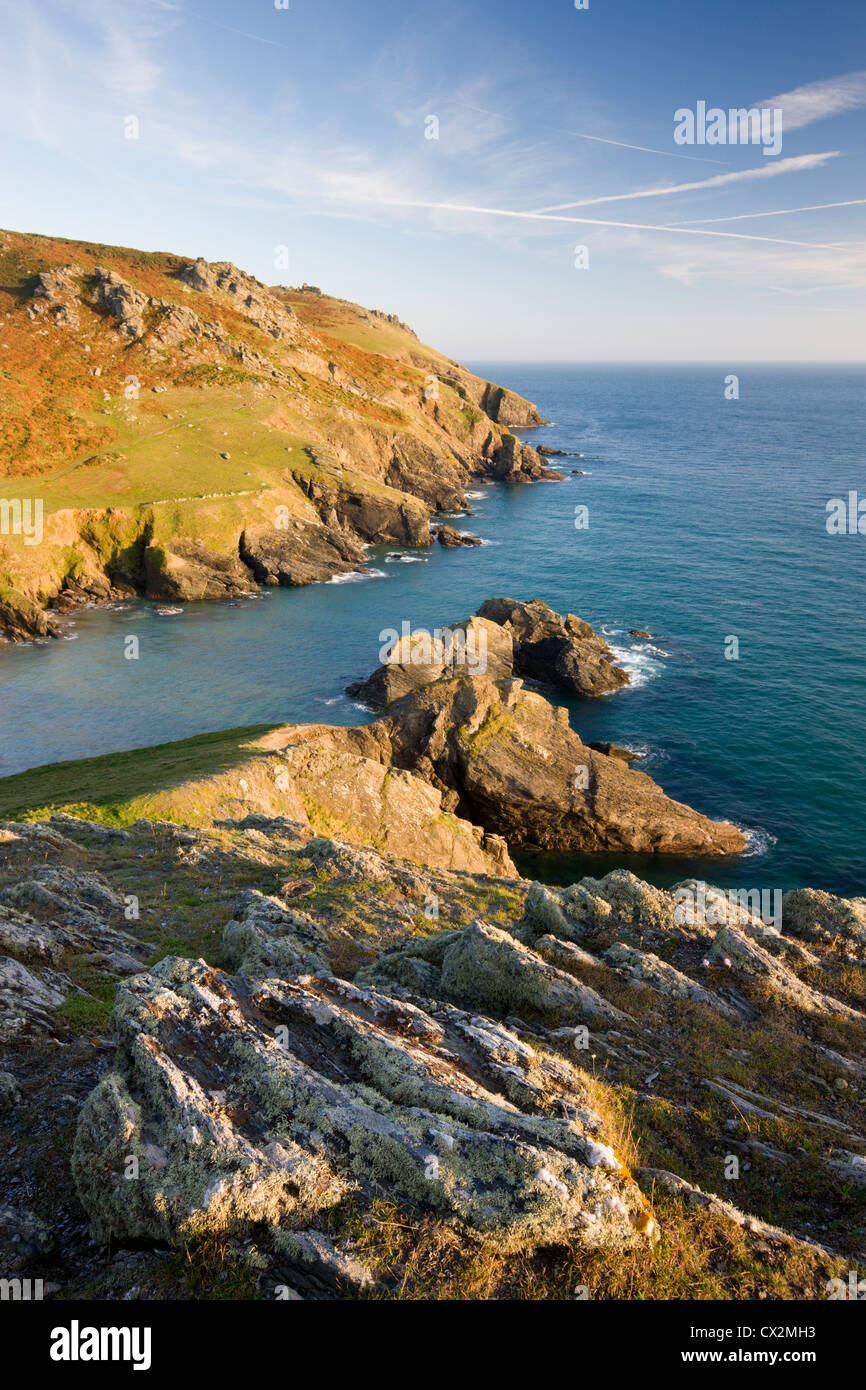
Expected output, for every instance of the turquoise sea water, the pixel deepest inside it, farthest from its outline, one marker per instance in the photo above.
(706, 522)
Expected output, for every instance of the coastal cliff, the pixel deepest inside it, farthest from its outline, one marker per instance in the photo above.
(187, 432)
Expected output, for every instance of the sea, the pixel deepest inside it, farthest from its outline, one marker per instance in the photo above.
(705, 511)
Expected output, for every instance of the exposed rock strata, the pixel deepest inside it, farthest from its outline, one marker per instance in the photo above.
(565, 652)
(259, 1103)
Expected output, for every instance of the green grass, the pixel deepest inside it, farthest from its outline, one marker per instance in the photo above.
(154, 459)
(88, 1013)
(102, 788)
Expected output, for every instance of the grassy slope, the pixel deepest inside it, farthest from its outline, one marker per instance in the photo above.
(106, 788)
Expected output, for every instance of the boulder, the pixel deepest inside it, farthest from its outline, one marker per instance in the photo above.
(452, 539)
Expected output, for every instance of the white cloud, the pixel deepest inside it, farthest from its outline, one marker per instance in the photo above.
(818, 100)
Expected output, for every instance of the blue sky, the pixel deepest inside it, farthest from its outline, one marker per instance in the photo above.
(261, 128)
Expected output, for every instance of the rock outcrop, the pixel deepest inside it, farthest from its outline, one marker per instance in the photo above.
(512, 763)
(506, 408)
(515, 462)
(45, 917)
(505, 638)
(300, 554)
(494, 1067)
(189, 570)
(818, 916)
(22, 620)
(245, 293)
(451, 539)
(416, 659)
(245, 1103)
(565, 652)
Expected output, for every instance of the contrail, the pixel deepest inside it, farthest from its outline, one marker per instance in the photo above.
(764, 171)
(600, 139)
(779, 212)
(596, 222)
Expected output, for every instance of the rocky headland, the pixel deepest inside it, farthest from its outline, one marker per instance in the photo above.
(186, 432)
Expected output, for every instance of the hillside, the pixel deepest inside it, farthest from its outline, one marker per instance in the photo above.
(186, 432)
(351, 1076)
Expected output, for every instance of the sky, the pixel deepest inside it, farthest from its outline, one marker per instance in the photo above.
(502, 174)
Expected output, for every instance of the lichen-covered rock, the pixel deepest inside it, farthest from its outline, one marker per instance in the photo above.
(648, 969)
(67, 909)
(241, 1104)
(266, 937)
(484, 966)
(25, 1233)
(489, 967)
(187, 570)
(745, 955)
(452, 539)
(28, 997)
(599, 912)
(819, 916)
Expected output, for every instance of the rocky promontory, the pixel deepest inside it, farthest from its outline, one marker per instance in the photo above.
(201, 433)
(506, 637)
